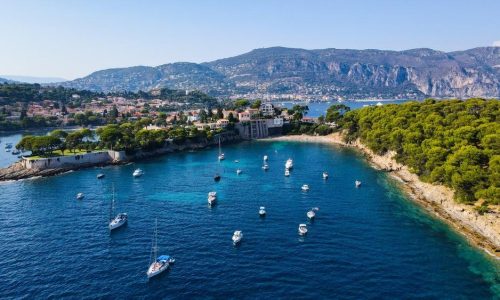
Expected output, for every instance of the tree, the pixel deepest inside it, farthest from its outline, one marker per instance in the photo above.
(110, 135)
(256, 104)
(335, 112)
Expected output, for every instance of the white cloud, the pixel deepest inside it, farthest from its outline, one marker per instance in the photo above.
(496, 44)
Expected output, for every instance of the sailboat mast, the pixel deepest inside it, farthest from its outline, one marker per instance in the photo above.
(156, 240)
(112, 208)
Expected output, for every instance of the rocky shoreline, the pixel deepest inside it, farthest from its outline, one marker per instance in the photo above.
(481, 230)
(17, 171)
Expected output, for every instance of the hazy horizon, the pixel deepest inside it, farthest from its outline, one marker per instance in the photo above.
(73, 39)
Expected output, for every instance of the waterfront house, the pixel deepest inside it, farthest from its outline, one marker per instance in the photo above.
(267, 109)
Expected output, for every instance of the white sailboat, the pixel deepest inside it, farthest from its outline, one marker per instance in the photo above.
(305, 187)
(238, 171)
(158, 264)
(325, 175)
(357, 183)
(289, 164)
(80, 196)
(120, 219)
(221, 154)
(266, 158)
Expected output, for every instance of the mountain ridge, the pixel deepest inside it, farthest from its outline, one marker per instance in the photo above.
(281, 72)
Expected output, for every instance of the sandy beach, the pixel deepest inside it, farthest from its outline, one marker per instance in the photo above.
(481, 230)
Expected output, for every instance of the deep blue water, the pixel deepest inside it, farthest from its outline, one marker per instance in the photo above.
(366, 243)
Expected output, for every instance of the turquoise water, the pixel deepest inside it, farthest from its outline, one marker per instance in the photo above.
(366, 243)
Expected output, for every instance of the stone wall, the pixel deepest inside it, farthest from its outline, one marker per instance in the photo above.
(71, 161)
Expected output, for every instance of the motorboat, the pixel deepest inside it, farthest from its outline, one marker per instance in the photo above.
(217, 177)
(7, 150)
(289, 164)
(79, 196)
(287, 172)
(265, 167)
(100, 176)
(119, 220)
(237, 236)
(238, 171)
(302, 229)
(357, 183)
(212, 198)
(325, 175)
(311, 214)
(305, 187)
(160, 263)
(266, 158)
(8, 146)
(262, 211)
(138, 173)
(236, 161)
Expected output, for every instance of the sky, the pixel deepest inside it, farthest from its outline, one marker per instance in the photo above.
(73, 38)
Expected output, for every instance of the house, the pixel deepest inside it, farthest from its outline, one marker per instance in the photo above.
(267, 109)
(244, 116)
(222, 123)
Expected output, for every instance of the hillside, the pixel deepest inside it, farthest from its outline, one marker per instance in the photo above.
(280, 71)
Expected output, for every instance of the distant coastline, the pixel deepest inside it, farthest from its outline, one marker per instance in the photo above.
(481, 230)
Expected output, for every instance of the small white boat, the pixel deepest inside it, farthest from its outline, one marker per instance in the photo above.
(138, 173)
(120, 219)
(100, 176)
(357, 183)
(262, 211)
(212, 198)
(237, 236)
(160, 263)
(238, 171)
(311, 214)
(305, 187)
(266, 158)
(325, 175)
(265, 167)
(289, 164)
(236, 161)
(7, 150)
(287, 172)
(79, 196)
(302, 229)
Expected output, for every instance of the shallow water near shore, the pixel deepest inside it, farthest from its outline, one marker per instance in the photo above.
(370, 242)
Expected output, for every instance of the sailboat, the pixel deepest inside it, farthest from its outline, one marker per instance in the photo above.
(120, 219)
(221, 154)
(158, 263)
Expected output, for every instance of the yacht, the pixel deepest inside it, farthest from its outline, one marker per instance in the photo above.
(160, 263)
(325, 175)
(120, 219)
(357, 183)
(238, 171)
(138, 173)
(79, 196)
(287, 172)
(262, 211)
(100, 176)
(305, 187)
(302, 229)
(289, 164)
(237, 236)
(265, 167)
(212, 198)
(266, 158)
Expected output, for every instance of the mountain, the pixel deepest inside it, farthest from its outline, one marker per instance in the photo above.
(284, 72)
(32, 79)
(5, 80)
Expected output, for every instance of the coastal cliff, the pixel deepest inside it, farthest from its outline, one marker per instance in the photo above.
(481, 230)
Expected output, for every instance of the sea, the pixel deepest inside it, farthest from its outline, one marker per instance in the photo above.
(370, 242)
